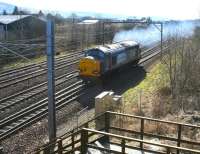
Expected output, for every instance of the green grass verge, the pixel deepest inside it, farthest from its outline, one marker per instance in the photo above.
(155, 80)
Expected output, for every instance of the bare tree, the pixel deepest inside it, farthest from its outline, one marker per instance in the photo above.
(182, 61)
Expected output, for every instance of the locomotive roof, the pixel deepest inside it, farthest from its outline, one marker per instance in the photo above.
(117, 46)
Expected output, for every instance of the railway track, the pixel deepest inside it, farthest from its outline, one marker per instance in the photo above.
(22, 71)
(36, 111)
(33, 67)
(12, 85)
(152, 49)
(23, 78)
(26, 95)
(11, 80)
(18, 101)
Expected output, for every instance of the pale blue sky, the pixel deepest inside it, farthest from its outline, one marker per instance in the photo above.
(173, 9)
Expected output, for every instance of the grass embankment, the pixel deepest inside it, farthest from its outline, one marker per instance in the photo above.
(152, 98)
(144, 99)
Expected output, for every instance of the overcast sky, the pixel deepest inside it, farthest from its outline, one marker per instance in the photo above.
(173, 9)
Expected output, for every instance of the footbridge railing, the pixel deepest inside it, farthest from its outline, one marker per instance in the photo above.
(127, 132)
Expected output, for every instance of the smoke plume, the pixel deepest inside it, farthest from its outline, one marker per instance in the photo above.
(151, 34)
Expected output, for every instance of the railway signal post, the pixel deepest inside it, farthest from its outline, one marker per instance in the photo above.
(51, 81)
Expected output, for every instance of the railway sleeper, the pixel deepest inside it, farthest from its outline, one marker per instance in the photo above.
(2, 105)
(28, 120)
(21, 121)
(2, 131)
(8, 127)
(33, 114)
(43, 109)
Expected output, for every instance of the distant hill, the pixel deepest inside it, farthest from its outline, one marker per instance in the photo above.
(8, 7)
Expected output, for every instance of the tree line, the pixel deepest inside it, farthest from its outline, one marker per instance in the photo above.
(182, 61)
(16, 11)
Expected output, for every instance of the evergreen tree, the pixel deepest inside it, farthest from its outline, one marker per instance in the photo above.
(73, 16)
(50, 16)
(4, 12)
(40, 13)
(15, 11)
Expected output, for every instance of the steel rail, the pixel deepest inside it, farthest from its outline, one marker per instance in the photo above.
(36, 75)
(11, 79)
(32, 88)
(24, 117)
(18, 99)
(34, 66)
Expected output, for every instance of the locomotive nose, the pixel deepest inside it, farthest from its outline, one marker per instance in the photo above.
(89, 67)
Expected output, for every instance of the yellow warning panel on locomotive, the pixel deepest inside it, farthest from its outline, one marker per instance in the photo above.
(89, 67)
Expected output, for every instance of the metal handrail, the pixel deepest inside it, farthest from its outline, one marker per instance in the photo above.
(78, 132)
(168, 147)
(152, 119)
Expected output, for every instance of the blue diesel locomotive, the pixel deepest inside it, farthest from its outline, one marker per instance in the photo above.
(102, 60)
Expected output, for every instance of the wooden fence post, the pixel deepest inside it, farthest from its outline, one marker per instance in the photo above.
(107, 126)
(168, 150)
(47, 150)
(179, 137)
(84, 141)
(123, 145)
(60, 147)
(141, 133)
(72, 141)
(86, 125)
(107, 121)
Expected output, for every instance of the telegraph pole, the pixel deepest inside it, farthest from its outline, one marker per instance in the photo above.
(51, 81)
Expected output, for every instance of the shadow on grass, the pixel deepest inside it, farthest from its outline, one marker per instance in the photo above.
(122, 80)
(119, 82)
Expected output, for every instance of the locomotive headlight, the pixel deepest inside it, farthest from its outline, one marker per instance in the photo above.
(95, 72)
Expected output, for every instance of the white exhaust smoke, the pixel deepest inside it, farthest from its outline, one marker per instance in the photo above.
(151, 34)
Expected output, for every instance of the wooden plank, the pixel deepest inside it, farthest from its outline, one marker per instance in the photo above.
(156, 136)
(144, 141)
(156, 120)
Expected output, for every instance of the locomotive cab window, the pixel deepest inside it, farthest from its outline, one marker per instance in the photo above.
(114, 60)
(134, 51)
(95, 54)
